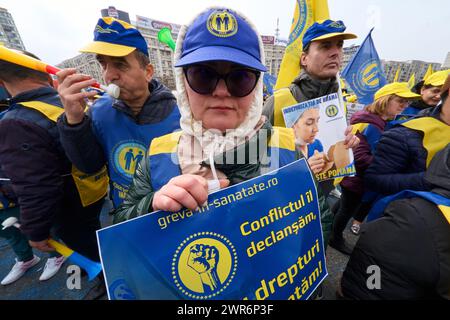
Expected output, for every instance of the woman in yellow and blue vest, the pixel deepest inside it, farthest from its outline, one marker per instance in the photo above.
(220, 96)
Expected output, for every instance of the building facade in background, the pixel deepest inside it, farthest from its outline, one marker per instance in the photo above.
(161, 56)
(9, 35)
(274, 51)
(85, 63)
(407, 69)
(349, 52)
(118, 14)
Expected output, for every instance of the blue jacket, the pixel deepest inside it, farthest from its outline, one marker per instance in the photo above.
(32, 157)
(400, 160)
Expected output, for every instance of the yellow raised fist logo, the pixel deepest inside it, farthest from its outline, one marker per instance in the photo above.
(204, 259)
(204, 265)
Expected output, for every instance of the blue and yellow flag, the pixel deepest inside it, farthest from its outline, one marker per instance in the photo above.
(364, 73)
(397, 74)
(412, 81)
(305, 14)
(428, 73)
(268, 84)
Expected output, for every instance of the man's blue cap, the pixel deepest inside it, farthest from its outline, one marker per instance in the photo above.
(116, 38)
(221, 35)
(326, 29)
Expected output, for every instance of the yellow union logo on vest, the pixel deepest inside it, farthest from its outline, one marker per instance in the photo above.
(126, 157)
(204, 265)
(222, 23)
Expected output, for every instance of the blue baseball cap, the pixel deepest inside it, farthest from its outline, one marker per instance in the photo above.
(324, 30)
(221, 34)
(116, 38)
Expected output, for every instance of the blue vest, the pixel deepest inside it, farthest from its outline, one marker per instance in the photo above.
(125, 142)
(441, 202)
(371, 132)
(164, 164)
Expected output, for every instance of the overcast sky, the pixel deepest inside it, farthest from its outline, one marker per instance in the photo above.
(404, 29)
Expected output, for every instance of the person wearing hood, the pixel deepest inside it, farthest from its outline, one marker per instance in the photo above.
(219, 61)
(115, 132)
(430, 91)
(409, 245)
(320, 62)
(368, 125)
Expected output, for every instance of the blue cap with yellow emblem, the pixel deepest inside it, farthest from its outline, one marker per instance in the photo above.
(221, 34)
(324, 30)
(116, 38)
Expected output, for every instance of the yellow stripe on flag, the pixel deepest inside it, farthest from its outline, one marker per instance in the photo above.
(397, 74)
(305, 14)
(412, 81)
(428, 73)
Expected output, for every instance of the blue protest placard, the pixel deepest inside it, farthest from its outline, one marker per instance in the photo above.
(260, 239)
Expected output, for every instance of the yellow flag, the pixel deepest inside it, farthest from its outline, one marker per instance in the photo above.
(306, 13)
(429, 72)
(412, 81)
(397, 74)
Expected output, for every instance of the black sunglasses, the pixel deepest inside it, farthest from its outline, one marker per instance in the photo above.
(203, 80)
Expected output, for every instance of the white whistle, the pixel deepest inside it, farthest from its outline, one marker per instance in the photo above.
(11, 221)
(213, 186)
(112, 89)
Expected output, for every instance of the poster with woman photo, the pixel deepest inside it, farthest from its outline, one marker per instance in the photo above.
(319, 125)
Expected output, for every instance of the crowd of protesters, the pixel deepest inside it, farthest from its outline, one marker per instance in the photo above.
(60, 159)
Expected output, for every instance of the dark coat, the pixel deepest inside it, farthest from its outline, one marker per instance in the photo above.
(32, 157)
(400, 160)
(410, 244)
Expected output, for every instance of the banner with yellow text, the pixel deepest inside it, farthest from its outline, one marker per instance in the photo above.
(257, 240)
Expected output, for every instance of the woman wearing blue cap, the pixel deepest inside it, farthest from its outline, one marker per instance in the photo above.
(220, 60)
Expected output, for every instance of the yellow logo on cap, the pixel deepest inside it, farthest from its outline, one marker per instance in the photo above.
(204, 265)
(336, 24)
(222, 23)
(102, 30)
